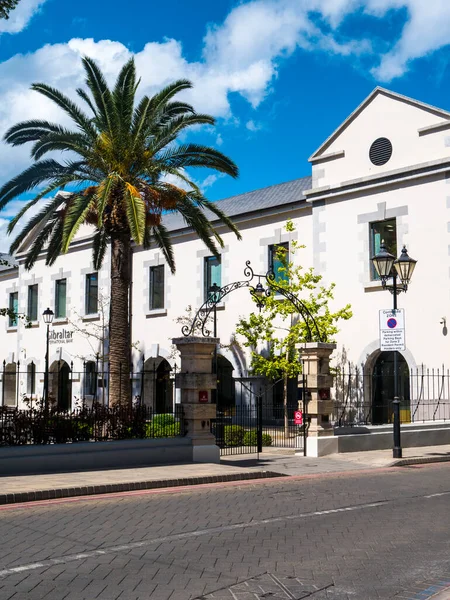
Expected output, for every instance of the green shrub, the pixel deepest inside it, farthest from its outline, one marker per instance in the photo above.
(155, 430)
(233, 435)
(163, 420)
(266, 439)
(251, 439)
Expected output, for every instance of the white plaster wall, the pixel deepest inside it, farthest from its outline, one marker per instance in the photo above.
(383, 117)
(425, 232)
(28, 344)
(155, 331)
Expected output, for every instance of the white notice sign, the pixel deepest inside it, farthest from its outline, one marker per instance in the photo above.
(392, 330)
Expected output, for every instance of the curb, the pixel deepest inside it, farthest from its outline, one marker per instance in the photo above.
(90, 490)
(404, 462)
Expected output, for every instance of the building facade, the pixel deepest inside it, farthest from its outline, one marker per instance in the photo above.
(384, 174)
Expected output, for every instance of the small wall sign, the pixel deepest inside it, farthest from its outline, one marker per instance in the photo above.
(298, 417)
(324, 394)
(60, 336)
(203, 396)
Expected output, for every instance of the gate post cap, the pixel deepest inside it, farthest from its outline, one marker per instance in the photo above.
(316, 345)
(191, 339)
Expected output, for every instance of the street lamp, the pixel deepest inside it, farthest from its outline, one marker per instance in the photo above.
(47, 315)
(402, 268)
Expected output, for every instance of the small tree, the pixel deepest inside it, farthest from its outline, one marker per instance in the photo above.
(273, 334)
(6, 6)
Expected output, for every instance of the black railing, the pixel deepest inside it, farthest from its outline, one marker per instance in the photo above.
(152, 385)
(366, 399)
(86, 424)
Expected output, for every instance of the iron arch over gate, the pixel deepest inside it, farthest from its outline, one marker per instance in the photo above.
(258, 292)
(245, 428)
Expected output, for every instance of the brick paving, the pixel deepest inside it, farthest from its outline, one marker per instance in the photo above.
(380, 535)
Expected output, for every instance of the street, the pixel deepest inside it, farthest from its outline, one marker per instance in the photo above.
(364, 535)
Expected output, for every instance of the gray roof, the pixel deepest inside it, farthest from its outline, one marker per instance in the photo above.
(250, 202)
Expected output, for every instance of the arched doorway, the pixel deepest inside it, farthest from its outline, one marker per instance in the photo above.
(157, 385)
(225, 394)
(383, 388)
(59, 388)
(9, 384)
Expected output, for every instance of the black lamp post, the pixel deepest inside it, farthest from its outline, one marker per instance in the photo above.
(47, 315)
(402, 268)
(214, 295)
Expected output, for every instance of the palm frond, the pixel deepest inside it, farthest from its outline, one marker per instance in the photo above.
(38, 173)
(79, 206)
(135, 209)
(195, 155)
(103, 195)
(30, 131)
(100, 243)
(84, 96)
(55, 244)
(38, 244)
(102, 95)
(123, 95)
(38, 220)
(62, 142)
(212, 206)
(162, 238)
(69, 107)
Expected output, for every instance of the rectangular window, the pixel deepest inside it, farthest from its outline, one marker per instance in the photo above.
(278, 258)
(382, 231)
(156, 287)
(31, 378)
(32, 312)
(213, 274)
(60, 298)
(14, 306)
(91, 307)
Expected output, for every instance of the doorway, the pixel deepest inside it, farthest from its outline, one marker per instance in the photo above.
(59, 392)
(383, 389)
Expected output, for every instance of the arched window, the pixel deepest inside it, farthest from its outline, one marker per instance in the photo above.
(90, 375)
(31, 379)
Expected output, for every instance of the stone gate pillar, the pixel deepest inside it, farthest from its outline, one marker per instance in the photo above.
(315, 357)
(196, 381)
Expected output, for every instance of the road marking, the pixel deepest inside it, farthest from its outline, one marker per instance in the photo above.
(203, 532)
(183, 536)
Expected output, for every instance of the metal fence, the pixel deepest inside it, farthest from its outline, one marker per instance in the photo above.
(366, 399)
(257, 418)
(152, 386)
(93, 424)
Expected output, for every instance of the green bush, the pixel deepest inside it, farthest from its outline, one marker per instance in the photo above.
(163, 420)
(251, 439)
(155, 430)
(233, 435)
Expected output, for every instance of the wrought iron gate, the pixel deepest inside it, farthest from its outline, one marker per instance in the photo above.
(255, 419)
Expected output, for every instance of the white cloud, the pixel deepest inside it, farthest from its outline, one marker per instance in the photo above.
(20, 16)
(210, 180)
(252, 126)
(240, 56)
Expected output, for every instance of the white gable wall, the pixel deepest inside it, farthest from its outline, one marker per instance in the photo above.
(383, 117)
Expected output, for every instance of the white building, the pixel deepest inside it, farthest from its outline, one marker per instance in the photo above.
(383, 174)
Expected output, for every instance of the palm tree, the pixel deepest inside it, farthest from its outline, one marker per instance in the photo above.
(122, 155)
(6, 6)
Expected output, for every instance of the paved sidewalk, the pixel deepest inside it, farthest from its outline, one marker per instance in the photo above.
(271, 463)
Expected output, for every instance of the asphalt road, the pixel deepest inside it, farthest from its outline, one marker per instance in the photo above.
(383, 534)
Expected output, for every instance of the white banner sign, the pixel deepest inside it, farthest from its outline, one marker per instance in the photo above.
(392, 330)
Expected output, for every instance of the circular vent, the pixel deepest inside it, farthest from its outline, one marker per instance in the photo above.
(380, 151)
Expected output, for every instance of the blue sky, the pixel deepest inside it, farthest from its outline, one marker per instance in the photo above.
(279, 75)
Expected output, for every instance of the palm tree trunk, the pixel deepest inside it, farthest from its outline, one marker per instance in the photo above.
(119, 321)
